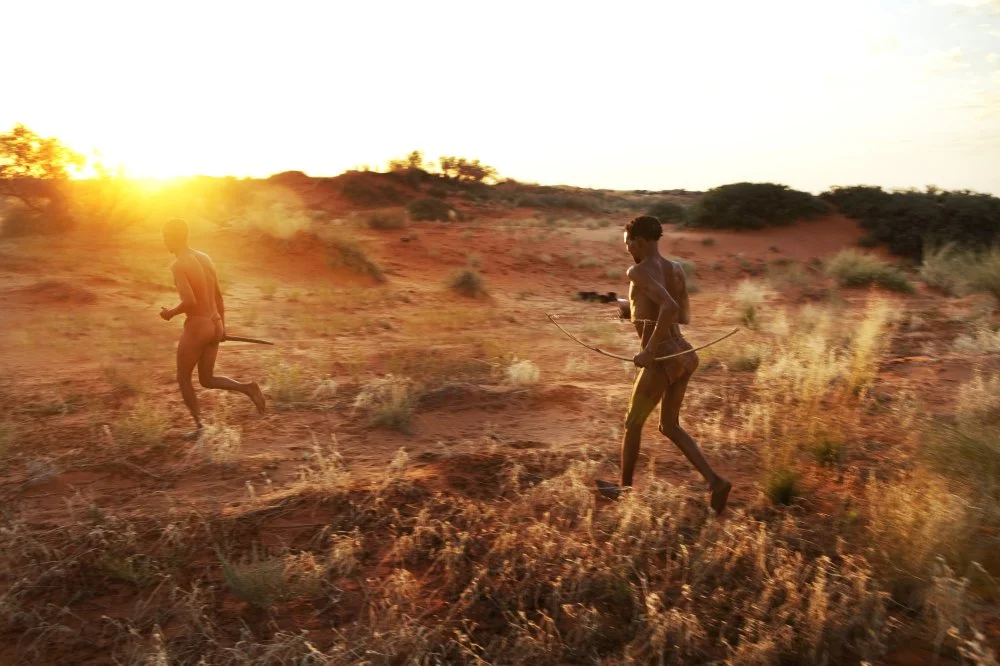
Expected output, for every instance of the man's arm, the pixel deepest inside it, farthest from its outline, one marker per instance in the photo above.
(219, 305)
(684, 315)
(666, 316)
(188, 300)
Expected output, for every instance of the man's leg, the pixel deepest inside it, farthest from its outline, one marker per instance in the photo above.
(646, 392)
(208, 379)
(188, 352)
(670, 426)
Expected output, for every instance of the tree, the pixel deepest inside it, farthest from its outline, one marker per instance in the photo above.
(415, 160)
(31, 168)
(459, 168)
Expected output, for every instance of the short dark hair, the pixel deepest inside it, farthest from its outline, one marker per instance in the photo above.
(645, 226)
(176, 229)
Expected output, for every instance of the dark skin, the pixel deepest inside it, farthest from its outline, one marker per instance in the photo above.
(204, 327)
(659, 303)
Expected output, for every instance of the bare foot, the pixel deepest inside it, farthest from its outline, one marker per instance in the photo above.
(720, 495)
(257, 396)
(193, 435)
(610, 490)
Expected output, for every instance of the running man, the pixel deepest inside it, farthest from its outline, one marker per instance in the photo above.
(205, 326)
(658, 301)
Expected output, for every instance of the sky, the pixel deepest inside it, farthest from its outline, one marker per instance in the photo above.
(622, 95)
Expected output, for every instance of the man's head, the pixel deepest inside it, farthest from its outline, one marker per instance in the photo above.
(175, 235)
(640, 233)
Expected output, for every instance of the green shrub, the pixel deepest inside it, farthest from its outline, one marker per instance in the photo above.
(853, 269)
(666, 211)
(782, 486)
(753, 206)
(909, 221)
(429, 208)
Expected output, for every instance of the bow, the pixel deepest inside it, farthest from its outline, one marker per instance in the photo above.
(623, 358)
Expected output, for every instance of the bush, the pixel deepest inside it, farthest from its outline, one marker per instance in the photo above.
(782, 486)
(945, 268)
(468, 283)
(985, 273)
(368, 192)
(754, 206)
(429, 208)
(386, 219)
(909, 221)
(666, 211)
(853, 269)
(348, 254)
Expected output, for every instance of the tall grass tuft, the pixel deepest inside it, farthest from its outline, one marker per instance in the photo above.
(854, 269)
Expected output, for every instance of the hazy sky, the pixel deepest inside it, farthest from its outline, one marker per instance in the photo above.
(619, 94)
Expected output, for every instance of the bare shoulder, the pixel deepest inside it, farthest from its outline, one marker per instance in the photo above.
(632, 272)
(202, 258)
(676, 271)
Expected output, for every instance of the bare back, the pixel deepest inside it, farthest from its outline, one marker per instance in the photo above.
(645, 310)
(194, 270)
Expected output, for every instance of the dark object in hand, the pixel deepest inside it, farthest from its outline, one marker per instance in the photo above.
(609, 297)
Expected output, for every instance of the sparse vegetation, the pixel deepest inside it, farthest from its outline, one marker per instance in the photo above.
(865, 517)
(854, 269)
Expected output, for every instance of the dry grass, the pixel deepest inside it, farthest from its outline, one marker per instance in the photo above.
(287, 384)
(522, 373)
(218, 444)
(346, 253)
(145, 423)
(982, 340)
(749, 297)
(855, 269)
(957, 272)
(468, 283)
(387, 401)
(809, 390)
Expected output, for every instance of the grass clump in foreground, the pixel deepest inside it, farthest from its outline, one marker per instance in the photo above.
(528, 569)
(468, 283)
(853, 269)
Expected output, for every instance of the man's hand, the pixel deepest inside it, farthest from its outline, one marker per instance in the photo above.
(166, 314)
(645, 358)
